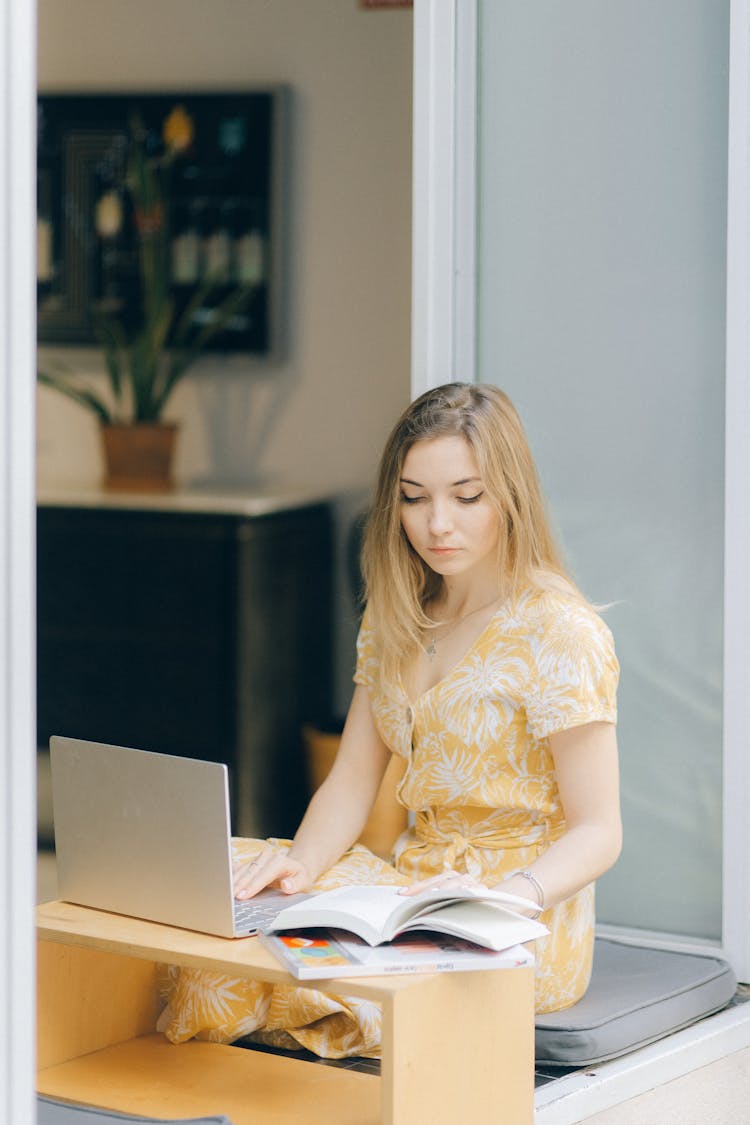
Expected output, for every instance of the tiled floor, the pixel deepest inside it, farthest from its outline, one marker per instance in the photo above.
(718, 1094)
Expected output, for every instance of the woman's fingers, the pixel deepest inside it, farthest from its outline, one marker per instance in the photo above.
(297, 881)
(267, 868)
(250, 876)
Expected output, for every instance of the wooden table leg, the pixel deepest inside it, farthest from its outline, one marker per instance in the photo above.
(460, 1047)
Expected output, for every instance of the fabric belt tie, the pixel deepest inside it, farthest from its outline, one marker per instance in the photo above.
(459, 849)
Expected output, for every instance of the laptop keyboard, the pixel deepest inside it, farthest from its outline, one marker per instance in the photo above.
(253, 914)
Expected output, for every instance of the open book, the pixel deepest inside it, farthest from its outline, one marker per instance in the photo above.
(379, 914)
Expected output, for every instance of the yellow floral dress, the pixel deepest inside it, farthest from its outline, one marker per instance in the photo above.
(480, 781)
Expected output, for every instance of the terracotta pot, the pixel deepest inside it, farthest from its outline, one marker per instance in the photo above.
(138, 458)
(388, 818)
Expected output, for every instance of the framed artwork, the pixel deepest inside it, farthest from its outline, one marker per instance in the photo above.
(220, 204)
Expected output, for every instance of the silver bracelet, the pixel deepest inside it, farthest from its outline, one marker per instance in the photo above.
(537, 887)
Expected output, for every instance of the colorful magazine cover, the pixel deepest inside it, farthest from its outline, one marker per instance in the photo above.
(318, 954)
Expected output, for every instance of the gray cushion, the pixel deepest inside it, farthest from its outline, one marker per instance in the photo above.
(51, 1112)
(636, 995)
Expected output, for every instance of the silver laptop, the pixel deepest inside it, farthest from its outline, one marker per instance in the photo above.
(148, 835)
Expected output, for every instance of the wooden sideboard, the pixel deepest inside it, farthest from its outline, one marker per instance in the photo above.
(456, 1046)
(191, 623)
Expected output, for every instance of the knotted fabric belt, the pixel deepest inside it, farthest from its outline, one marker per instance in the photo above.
(480, 830)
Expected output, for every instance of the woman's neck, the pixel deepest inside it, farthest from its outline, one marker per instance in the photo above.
(458, 599)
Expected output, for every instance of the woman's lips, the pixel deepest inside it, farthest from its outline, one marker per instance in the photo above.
(444, 550)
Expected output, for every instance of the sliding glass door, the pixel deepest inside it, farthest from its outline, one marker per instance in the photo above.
(601, 309)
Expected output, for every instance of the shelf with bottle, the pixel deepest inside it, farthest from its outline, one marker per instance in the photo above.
(222, 211)
(219, 241)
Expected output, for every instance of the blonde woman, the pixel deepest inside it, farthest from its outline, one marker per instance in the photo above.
(486, 670)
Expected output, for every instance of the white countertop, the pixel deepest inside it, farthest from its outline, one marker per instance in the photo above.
(221, 501)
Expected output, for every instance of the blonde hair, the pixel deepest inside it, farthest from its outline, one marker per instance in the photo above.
(398, 583)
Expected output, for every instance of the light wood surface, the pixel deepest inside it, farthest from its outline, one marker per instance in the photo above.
(461, 1049)
(151, 1077)
(456, 1046)
(133, 937)
(88, 999)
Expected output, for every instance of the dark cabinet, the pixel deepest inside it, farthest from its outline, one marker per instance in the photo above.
(193, 633)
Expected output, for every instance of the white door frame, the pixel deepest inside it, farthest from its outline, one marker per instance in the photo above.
(443, 350)
(17, 673)
(736, 881)
(444, 192)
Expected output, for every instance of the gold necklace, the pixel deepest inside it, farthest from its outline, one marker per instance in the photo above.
(431, 648)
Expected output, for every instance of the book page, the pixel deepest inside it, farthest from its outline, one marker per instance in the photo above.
(487, 923)
(364, 910)
(376, 913)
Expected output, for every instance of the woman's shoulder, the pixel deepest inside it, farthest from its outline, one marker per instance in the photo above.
(368, 652)
(546, 609)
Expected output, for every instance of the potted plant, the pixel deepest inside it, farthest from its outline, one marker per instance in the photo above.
(145, 361)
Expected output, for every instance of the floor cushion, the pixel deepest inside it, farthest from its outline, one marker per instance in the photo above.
(636, 995)
(51, 1112)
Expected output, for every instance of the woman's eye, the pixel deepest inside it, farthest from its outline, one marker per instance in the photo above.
(410, 499)
(470, 499)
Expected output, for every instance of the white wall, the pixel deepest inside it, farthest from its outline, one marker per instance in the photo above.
(322, 413)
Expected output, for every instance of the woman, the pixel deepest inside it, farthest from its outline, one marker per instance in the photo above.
(482, 665)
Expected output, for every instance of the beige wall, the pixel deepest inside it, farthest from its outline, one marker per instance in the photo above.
(320, 414)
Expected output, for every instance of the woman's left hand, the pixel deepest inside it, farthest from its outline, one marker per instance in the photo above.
(445, 881)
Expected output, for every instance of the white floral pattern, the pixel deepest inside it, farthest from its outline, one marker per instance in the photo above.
(480, 775)
(480, 780)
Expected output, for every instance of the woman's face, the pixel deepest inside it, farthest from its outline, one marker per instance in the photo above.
(446, 513)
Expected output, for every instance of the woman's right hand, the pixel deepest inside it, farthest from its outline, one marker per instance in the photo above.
(335, 816)
(271, 867)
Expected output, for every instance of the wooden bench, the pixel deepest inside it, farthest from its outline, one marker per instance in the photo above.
(455, 1045)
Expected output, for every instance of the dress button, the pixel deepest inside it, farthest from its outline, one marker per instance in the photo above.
(409, 714)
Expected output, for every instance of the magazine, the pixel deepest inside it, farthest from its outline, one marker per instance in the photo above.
(321, 954)
(377, 914)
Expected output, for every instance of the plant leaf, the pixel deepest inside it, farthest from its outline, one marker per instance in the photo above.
(185, 322)
(147, 364)
(81, 395)
(114, 343)
(183, 359)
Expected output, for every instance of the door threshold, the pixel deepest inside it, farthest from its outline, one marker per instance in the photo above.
(576, 1096)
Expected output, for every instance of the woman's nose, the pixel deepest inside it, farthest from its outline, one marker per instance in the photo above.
(440, 520)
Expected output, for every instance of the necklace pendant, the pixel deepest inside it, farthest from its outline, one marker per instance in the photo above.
(431, 651)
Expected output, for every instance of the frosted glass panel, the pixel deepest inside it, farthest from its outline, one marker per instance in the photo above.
(602, 222)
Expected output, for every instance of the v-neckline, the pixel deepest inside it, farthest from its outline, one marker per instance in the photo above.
(413, 702)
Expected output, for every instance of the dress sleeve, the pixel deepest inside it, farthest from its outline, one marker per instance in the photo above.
(366, 655)
(573, 671)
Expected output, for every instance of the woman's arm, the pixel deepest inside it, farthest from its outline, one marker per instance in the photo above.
(587, 774)
(586, 768)
(336, 814)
